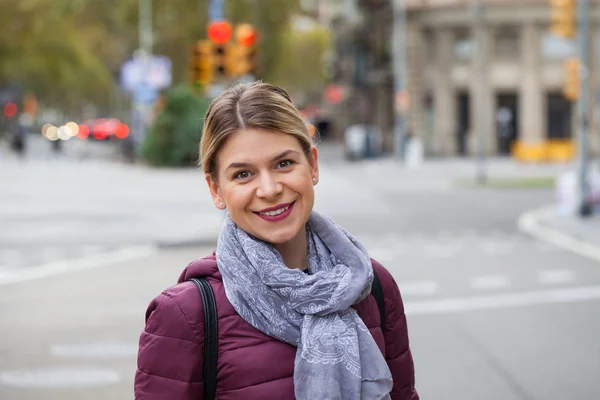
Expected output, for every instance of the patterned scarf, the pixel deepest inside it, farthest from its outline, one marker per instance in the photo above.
(337, 358)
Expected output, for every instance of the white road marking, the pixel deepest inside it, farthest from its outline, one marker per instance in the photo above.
(556, 276)
(441, 250)
(95, 350)
(529, 223)
(59, 377)
(499, 301)
(59, 267)
(489, 282)
(418, 288)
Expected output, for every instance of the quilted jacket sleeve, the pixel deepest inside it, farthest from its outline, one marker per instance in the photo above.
(170, 354)
(397, 349)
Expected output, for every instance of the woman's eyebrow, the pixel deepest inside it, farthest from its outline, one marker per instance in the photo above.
(247, 164)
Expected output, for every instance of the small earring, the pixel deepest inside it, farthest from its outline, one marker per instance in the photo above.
(221, 203)
(314, 180)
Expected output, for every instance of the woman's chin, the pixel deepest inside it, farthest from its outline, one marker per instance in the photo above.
(280, 237)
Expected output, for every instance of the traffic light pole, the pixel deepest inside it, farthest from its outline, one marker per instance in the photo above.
(585, 208)
(145, 26)
(399, 63)
(479, 61)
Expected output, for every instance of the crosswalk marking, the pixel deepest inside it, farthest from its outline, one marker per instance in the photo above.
(441, 250)
(556, 276)
(504, 300)
(418, 288)
(489, 282)
(27, 256)
(445, 244)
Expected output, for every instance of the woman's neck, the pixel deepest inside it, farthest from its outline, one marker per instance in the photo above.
(295, 251)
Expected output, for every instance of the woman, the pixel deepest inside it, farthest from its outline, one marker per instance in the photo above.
(292, 288)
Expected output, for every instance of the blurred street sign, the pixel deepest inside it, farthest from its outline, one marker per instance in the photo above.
(145, 76)
(215, 10)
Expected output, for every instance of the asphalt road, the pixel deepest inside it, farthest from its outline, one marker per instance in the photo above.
(492, 313)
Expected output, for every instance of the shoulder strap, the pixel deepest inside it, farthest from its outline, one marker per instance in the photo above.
(377, 291)
(211, 344)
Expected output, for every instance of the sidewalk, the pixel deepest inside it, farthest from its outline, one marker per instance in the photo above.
(451, 170)
(571, 232)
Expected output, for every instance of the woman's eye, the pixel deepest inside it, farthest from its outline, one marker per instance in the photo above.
(284, 163)
(242, 175)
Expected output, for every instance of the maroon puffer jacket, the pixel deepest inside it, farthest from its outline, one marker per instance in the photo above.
(251, 364)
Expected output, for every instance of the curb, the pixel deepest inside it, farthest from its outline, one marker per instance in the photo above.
(530, 223)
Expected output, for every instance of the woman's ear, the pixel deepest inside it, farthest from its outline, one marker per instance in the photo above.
(213, 187)
(314, 163)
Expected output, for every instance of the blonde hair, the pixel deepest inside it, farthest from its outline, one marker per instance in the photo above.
(255, 105)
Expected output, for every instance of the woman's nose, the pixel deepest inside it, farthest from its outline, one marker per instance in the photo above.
(269, 187)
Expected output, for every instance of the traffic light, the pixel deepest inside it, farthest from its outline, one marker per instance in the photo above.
(244, 52)
(219, 54)
(240, 60)
(563, 18)
(572, 70)
(202, 69)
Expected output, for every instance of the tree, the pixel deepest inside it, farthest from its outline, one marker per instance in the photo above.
(300, 65)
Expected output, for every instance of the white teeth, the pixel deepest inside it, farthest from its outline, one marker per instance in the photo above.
(275, 212)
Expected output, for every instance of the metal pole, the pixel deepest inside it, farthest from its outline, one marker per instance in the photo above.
(585, 208)
(400, 84)
(479, 61)
(139, 112)
(145, 25)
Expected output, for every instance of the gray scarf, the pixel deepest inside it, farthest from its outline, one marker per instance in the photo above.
(337, 358)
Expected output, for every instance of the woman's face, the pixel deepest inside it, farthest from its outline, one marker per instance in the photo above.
(266, 182)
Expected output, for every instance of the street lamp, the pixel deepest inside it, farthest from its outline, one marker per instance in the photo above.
(400, 82)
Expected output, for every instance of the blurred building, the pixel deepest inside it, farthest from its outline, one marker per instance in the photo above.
(522, 83)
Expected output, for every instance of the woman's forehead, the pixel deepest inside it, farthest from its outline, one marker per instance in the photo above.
(253, 144)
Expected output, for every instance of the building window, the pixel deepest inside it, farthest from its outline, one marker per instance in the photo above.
(506, 42)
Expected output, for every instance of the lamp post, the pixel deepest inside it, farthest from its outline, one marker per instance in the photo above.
(400, 82)
(585, 208)
(479, 61)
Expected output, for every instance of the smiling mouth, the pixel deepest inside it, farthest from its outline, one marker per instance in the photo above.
(276, 214)
(272, 213)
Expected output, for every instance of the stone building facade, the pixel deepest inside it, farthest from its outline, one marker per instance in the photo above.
(520, 86)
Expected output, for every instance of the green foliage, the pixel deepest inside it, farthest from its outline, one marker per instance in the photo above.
(175, 135)
(300, 65)
(69, 52)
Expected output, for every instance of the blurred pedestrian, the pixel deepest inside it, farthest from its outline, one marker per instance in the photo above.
(56, 146)
(294, 304)
(19, 139)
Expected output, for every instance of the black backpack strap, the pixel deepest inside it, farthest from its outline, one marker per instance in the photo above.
(211, 344)
(377, 292)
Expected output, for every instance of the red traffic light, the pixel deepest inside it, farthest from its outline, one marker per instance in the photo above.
(10, 110)
(246, 35)
(219, 32)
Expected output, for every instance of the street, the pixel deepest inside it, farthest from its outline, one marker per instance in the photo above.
(492, 313)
